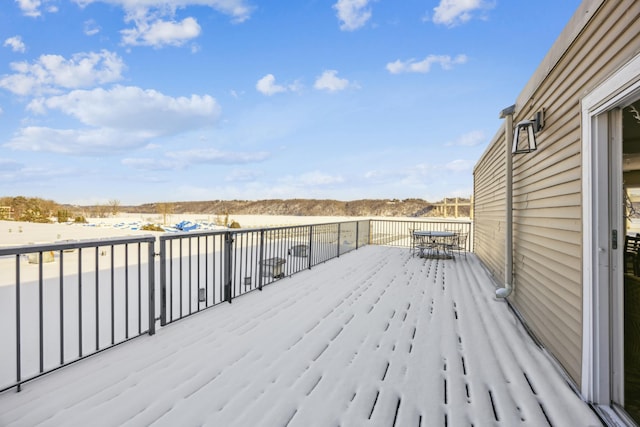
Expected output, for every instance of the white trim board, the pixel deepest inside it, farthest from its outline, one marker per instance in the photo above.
(614, 92)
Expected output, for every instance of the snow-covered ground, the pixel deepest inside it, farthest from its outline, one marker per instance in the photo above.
(126, 224)
(376, 337)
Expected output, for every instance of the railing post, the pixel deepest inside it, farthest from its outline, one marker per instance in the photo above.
(163, 282)
(152, 287)
(260, 262)
(357, 234)
(228, 242)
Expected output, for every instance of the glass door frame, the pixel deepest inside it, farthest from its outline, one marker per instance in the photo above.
(602, 364)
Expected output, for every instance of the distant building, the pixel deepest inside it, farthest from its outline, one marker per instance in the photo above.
(6, 212)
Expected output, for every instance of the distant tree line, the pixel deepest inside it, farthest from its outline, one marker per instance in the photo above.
(31, 209)
(36, 209)
(41, 210)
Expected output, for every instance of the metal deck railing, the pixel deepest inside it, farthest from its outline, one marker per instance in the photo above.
(96, 294)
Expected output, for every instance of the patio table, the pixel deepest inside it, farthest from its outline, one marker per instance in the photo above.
(436, 240)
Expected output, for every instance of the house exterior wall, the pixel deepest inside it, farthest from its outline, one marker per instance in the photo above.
(547, 201)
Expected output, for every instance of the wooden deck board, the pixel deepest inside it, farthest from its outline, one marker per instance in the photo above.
(376, 337)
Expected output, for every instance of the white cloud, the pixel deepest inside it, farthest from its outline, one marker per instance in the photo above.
(30, 7)
(161, 33)
(9, 165)
(236, 94)
(213, 156)
(16, 44)
(74, 141)
(319, 178)
(470, 139)
(459, 165)
(242, 175)
(267, 86)
(424, 66)
(353, 14)
(330, 81)
(147, 164)
(454, 12)
(154, 20)
(91, 28)
(177, 160)
(239, 10)
(412, 175)
(311, 179)
(51, 73)
(115, 120)
(34, 175)
(129, 108)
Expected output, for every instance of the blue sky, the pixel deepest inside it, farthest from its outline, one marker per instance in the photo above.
(169, 100)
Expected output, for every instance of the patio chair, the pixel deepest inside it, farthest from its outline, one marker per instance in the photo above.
(458, 243)
(420, 245)
(416, 241)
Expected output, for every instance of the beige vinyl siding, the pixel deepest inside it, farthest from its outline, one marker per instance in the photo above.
(489, 209)
(547, 199)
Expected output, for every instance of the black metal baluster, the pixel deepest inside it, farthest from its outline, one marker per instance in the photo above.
(236, 241)
(97, 298)
(18, 327)
(163, 282)
(189, 240)
(206, 271)
(139, 288)
(113, 310)
(260, 265)
(79, 302)
(222, 268)
(253, 250)
(227, 267)
(126, 291)
(171, 280)
(41, 310)
(152, 288)
(61, 307)
(312, 253)
(198, 287)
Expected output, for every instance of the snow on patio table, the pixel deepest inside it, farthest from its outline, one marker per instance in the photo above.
(376, 337)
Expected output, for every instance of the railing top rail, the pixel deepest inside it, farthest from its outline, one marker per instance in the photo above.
(193, 233)
(315, 224)
(285, 227)
(74, 244)
(196, 233)
(426, 220)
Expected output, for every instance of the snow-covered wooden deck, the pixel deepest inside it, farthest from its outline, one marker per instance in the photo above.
(376, 337)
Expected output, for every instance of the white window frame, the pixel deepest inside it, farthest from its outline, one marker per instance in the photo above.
(616, 91)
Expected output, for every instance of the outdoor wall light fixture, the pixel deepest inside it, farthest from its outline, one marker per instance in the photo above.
(524, 138)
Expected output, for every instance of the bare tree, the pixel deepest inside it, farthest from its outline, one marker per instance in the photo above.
(165, 209)
(100, 211)
(115, 206)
